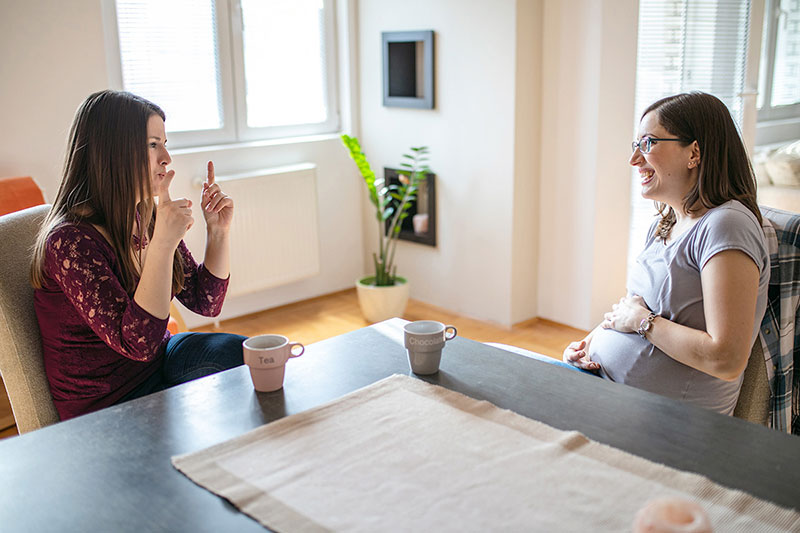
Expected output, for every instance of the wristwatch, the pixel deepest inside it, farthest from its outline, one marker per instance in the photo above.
(645, 325)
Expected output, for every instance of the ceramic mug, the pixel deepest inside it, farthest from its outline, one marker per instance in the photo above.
(424, 341)
(671, 515)
(266, 356)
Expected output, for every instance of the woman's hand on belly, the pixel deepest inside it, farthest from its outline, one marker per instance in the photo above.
(577, 354)
(627, 315)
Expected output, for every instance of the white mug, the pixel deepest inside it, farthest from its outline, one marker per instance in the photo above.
(266, 355)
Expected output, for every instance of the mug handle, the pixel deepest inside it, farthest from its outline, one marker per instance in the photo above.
(451, 337)
(292, 345)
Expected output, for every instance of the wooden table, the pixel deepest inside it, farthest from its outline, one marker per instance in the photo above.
(111, 471)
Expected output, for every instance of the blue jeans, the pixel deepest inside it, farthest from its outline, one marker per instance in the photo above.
(556, 362)
(540, 357)
(190, 356)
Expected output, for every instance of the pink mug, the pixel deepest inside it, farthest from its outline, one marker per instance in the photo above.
(266, 355)
(671, 515)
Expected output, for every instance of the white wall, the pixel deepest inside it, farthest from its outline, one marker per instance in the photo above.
(471, 134)
(589, 72)
(527, 154)
(52, 56)
(529, 139)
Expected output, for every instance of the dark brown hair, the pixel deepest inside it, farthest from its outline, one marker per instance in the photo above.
(107, 168)
(724, 172)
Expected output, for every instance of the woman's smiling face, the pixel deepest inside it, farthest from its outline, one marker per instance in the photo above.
(669, 171)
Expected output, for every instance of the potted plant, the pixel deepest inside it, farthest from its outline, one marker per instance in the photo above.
(385, 294)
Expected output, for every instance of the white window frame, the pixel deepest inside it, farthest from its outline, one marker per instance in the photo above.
(232, 80)
(773, 124)
(772, 14)
(246, 133)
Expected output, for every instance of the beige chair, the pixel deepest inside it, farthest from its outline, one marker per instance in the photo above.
(754, 397)
(21, 361)
(782, 229)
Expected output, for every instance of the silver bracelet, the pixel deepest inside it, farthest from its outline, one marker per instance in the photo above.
(645, 325)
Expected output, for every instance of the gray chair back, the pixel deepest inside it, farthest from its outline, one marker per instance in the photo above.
(21, 360)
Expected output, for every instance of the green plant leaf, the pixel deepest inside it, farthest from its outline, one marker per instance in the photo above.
(354, 147)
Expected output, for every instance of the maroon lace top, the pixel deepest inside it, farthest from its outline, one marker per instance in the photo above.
(98, 343)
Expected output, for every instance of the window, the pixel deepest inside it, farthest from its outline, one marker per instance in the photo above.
(779, 72)
(686, 45)
(230, 70)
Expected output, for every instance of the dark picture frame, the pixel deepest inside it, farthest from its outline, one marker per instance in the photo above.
(425, 204)
(408, 69)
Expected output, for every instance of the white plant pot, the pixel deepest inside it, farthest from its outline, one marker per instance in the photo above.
(382, 303)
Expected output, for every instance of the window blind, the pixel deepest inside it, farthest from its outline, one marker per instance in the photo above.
(169, 55)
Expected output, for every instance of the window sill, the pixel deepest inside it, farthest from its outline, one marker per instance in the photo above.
(284, 141)
(777, 131)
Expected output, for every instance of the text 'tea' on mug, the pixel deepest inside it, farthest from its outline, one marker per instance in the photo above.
(266, 356)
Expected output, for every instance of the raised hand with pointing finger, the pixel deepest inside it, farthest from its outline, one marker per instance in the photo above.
(217, 206)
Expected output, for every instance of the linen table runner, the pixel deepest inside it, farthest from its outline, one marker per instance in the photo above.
(404, 455)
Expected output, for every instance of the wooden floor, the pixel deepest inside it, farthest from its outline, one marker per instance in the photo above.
(333, 314)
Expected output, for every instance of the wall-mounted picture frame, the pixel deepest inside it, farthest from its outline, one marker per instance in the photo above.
(420, 225)
(408, 69)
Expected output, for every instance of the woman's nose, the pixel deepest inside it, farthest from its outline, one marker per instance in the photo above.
(165, 158)
(636, 158)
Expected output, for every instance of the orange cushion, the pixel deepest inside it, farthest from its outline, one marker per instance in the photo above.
(172, 326)
(19, 193)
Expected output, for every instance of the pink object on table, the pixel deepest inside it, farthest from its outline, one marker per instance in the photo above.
(671, 515)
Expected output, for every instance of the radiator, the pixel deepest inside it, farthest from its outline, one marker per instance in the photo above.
(274, 236)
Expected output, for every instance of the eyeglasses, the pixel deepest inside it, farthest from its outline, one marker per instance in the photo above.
(645, 144)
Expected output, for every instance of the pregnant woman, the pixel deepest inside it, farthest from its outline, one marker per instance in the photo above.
(698, 290)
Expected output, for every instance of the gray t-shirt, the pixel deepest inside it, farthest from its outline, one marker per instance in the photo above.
(668, 278)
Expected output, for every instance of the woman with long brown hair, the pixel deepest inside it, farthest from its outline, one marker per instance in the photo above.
(698, 291)
(109, 259)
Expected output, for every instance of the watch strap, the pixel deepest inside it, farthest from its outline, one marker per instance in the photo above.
(645, 325)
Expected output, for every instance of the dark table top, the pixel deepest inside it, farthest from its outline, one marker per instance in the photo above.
(111, 470)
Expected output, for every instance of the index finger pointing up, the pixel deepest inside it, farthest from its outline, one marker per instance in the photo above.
(210, 179)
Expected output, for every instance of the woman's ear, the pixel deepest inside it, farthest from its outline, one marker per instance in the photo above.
(694, 158)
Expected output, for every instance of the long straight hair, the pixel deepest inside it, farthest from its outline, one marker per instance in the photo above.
(725, 172)
(107, 168)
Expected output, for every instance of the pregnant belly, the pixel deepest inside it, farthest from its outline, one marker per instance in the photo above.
(622, 356)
